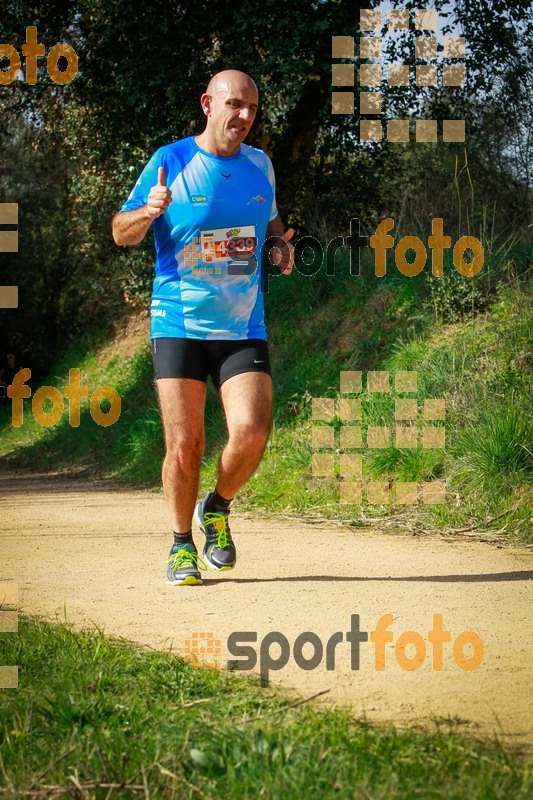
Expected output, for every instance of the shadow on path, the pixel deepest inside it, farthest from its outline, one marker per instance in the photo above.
(490, 577)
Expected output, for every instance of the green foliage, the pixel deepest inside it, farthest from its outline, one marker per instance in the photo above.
(406, 465)
(495, 450)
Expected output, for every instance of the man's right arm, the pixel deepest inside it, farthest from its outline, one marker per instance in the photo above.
(130, 227)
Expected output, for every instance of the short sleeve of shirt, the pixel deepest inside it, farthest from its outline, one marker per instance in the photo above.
(272, 179)
(148, 178)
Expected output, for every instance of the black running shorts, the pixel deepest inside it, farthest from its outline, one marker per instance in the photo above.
(198, 358)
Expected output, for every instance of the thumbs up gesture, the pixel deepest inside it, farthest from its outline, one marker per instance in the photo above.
(283, 256)
(159, 197)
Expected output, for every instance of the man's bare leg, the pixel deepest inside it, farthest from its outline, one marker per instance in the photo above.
(247, 402)
(182, 404)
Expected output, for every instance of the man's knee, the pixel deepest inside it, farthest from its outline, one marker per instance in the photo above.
(250, 435)
(185, 446)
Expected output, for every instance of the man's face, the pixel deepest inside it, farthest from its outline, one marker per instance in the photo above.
(10, 358)
(233, 108)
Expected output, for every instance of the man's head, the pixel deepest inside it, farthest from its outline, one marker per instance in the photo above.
(10, 358)
(230, 104)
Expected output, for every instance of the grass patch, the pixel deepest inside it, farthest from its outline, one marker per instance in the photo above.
(495, 451)
(93, 710)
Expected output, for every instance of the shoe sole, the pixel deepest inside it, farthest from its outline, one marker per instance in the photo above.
(196, 518)
(190, 580)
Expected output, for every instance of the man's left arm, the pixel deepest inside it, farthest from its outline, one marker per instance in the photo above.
(278, 246)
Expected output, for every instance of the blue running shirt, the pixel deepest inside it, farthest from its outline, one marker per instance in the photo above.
(208, 267)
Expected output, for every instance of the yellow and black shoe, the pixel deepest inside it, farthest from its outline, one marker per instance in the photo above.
(219, 548)
(183, 564)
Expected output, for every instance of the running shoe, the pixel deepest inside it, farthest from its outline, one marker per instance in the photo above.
(219, 549)
(182, 565)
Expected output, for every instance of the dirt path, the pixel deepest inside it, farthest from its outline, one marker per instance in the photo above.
(100, 552)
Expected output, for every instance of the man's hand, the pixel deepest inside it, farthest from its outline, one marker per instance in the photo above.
(130, 227)
(283, 256)
(159, 197)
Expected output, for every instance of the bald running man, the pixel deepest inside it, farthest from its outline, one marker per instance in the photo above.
(211, 202)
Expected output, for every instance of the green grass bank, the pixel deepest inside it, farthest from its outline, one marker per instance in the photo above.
(100, 718)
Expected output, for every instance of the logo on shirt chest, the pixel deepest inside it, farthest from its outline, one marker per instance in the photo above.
(256, 200)
(198, 199)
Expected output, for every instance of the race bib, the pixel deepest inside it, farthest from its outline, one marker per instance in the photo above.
(234, 245)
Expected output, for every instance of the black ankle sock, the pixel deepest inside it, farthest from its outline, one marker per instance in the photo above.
(183, 538)
(215, 502)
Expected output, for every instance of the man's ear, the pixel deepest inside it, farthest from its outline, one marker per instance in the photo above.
(205, 101)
